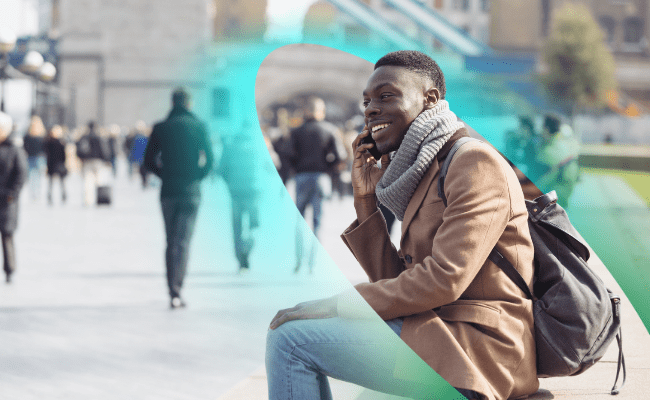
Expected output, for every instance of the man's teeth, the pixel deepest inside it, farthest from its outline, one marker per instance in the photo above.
(378, 127)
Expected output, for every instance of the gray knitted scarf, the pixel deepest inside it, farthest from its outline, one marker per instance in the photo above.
(424, 138)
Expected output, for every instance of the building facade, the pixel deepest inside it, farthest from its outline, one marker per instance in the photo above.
(119, 60)
(625, 24)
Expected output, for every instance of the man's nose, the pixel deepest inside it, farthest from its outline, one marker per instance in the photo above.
(372, 110)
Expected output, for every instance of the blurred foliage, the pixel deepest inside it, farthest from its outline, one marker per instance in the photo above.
(580, 67)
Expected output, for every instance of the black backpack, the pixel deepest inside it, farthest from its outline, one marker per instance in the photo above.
(576, 316)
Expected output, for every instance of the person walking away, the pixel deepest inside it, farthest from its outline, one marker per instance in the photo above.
(239, 168)
(55, 160)
(13, 173)
(33, 144)
(94, 153)
(313, 152)
(180, 153)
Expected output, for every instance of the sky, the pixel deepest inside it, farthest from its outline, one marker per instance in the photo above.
(19, 16)
(285, 18)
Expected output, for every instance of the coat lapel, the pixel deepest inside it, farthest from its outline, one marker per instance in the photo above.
(419, 194)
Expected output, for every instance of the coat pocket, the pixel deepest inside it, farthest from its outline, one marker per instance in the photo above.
(470, 311)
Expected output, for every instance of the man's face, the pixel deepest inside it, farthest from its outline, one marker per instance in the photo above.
(393, 98)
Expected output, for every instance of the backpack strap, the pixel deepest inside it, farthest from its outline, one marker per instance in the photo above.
(445, 166)
(495, 256)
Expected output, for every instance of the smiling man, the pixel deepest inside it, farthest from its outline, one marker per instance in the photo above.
(455, 309)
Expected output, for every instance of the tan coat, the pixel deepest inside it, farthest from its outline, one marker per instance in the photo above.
(464, 317)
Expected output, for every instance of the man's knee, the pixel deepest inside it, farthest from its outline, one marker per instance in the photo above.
(280, 339)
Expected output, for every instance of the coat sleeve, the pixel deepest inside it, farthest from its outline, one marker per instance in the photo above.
(152, 150)
(475, 218)
(370, 243)
(18, 175)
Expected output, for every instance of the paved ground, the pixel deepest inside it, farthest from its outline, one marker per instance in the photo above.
(87, 316)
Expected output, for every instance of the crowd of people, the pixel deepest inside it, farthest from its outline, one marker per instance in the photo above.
(53, 152)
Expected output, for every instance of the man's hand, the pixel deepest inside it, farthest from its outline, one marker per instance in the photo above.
(315, 309)
(365, 172)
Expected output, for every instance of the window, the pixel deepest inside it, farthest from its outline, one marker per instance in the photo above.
(633, 29)
(485, 5)
(220, 103)
(608, 24)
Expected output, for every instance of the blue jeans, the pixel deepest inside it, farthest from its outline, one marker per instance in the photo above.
(179, 214)
(301, 354)
(309, 191)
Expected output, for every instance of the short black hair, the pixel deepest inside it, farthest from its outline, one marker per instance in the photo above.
(180, 97)
(552, 123)
(417, 62)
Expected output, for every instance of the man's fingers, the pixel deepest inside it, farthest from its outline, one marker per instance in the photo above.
(290, 316)
(361, 135)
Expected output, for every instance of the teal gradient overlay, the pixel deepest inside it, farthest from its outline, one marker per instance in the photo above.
(482, 101)
(235, 68)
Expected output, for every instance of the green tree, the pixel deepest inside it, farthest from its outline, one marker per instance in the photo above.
(580, 67)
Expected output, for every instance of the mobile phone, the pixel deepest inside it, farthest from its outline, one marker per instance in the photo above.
(373, 150)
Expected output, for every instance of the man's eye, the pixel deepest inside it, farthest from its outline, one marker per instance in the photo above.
(383, 96)
(365, 103)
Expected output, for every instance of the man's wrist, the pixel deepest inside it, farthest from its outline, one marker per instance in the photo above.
(365, 206)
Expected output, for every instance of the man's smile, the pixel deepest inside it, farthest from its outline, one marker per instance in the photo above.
(377, 128)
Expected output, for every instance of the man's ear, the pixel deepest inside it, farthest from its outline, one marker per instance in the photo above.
(431, 98)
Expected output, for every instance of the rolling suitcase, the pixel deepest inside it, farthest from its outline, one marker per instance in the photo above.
(103, 195)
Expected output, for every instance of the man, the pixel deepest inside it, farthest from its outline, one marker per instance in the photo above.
(94, 153)
(313, 153)
(179, 152)
(455, 309)
(13, 174)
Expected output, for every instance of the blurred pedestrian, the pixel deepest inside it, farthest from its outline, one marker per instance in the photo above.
(94, 153)
(313, 153)
(239, 168)
(33, 144)
(281, 140)
(559, 156)
(13, 173)
(113, 137)
(55, 157)
(135, 146)
(180, 153)
(335, 169)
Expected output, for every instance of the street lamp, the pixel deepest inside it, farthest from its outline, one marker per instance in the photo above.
(32, 62)
(7, 44)
(47, 72)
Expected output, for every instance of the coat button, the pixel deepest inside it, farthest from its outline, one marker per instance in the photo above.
(408, 258)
